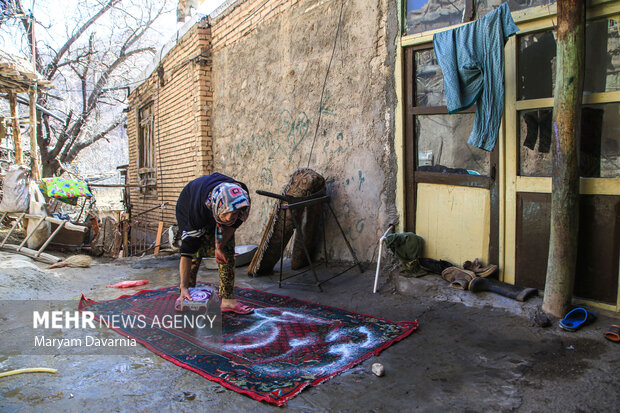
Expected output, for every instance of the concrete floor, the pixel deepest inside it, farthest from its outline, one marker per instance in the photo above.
(471, 352)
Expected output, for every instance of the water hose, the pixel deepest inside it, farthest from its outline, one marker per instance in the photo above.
(29, 370)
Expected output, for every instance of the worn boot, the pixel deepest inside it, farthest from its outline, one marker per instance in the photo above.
(457, 277)
(480, 270)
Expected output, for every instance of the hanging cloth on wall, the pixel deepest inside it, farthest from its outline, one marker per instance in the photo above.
(471, 58)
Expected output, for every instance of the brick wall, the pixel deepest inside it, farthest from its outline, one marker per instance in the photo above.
(242, 17)
(183, 106)
(182, 96)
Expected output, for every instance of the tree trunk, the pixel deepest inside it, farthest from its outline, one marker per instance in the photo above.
(565, 181)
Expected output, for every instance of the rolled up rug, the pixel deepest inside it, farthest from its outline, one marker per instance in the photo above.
(303, 182)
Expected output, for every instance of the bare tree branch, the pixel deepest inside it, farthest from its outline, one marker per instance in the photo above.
(78, 146)
(52, 66)
(85, 70)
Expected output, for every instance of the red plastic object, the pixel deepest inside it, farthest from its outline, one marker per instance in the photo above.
(127, 284)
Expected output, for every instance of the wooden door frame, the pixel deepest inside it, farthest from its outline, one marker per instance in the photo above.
(413, 178)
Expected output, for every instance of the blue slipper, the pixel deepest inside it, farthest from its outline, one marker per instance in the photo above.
(577, 318)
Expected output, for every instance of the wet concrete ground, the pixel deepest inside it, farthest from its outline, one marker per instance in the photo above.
(471, 352)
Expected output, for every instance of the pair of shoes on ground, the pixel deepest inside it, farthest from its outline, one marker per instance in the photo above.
(458, 277)
(479, 269)
(461, 277)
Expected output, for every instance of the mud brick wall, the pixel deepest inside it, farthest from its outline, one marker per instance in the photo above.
(270, 61)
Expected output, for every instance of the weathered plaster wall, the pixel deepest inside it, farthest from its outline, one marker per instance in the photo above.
(267, 91)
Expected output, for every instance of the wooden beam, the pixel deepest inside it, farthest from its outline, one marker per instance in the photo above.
(160, 229)
(34, 147)
(17, 137)
(58, 229)
(68, 225)
(44, 257)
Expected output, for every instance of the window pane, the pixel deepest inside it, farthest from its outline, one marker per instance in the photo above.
(428, 80)
(599, 143)
(536, 65)
(442, 145)
(535, 137)
(423, 15)
(602, 56)
(536, 61)
(484, 7)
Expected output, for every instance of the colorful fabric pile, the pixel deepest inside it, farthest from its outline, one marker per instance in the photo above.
(65, 189)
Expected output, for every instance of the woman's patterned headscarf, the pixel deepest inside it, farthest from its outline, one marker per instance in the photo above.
(229, 197)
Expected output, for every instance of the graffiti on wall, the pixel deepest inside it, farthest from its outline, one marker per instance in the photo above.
(285, 138)
(291, 133)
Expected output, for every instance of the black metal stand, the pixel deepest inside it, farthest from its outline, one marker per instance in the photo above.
(289, 202)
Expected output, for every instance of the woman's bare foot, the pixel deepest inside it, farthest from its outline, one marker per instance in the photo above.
(229, 303)
(232, 305)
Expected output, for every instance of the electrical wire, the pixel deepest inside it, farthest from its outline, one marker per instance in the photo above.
(318, 122)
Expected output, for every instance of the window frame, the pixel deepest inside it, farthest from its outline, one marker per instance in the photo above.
(145, 160)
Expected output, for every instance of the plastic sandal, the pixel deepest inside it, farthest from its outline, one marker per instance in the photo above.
(613, 333)
(577, 318)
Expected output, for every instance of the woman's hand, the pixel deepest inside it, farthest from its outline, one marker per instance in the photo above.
(185, 294)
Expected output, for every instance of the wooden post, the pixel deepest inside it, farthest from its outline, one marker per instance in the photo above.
(34, 146)
(34, 152)
(17, 136)
(160, 229)
(125, 225)
(562, 260)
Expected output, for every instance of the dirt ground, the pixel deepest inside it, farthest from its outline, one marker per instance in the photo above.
(471, 353)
